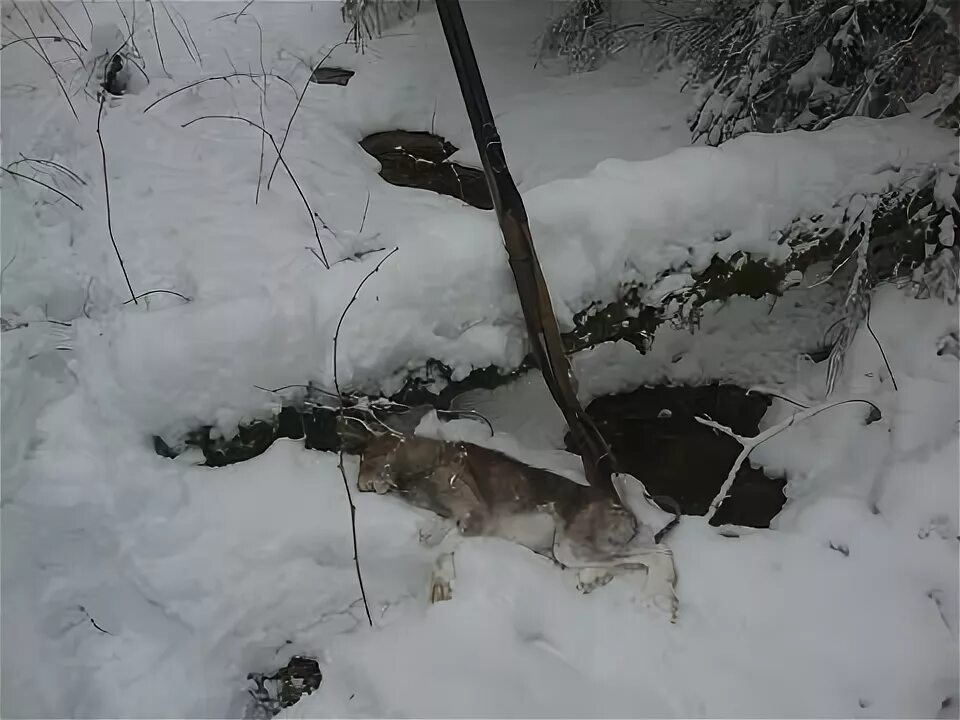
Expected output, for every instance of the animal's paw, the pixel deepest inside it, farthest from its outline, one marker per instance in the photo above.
(589, 579)
(441, 579)
(432, 534)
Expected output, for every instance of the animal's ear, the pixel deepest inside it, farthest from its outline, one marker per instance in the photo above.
(635, 498)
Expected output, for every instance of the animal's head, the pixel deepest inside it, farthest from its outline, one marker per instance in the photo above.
(377, 473)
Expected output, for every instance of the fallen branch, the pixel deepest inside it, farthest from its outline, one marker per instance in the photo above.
(316, 230)
(106, 190)
(343, 473)
(43, 184)
(749, 444)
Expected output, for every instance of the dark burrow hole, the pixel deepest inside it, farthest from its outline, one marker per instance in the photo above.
(651, 430)
(419, 160)
(270, 694)
(653, 433)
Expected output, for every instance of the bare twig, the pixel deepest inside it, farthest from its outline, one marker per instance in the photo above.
(55, 38)
(217, 77)
(92, 621)
(343, 472)
(313, 215)
(186, 26)
(300, 97)
(40, 182)
(156, 36)
(363, 220)
(155, 292)
(749, 444)
(62, 168)
(87, 13)
(263, 100)
(53, 20)
(6, 266)
(893, 377)
(106, 190)
(43, 53)
(67, 23)
(336, 335)
(235, 16)
(179, 33)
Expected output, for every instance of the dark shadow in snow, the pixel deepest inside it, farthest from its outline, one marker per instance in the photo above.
(419, 160)
(331, 76)
(651, 430)
(270, 694)
(655, 438)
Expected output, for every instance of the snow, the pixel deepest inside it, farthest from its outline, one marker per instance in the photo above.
(198, 576)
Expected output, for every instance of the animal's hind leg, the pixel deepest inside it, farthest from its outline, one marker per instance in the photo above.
(661, 583)
(444, 571)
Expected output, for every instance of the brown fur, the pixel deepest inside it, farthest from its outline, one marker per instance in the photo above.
(480, 488)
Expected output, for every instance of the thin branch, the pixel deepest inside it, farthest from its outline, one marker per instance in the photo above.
(92, 621)
(126, 22)
(186, 26)
(87, 13)
(55, 38)
(336, 335)
(43, 53)
(763, 390)
(363, 220)
(300, 97)
(263, 100)
(749, 444)
(237, 15)
(893, 378)
(156, 37)
(155, 292)
(53, 20)
(353, 530)
(106, 190)
(175, 27)
(263, 142)
(62, 168)
(69, 26)
(313, 215)
(217, 77)
(40, 182)
(343, 473)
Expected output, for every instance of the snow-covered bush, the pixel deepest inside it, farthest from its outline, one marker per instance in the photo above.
(908, 235)
(784, 64)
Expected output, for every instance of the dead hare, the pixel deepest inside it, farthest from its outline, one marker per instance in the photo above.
(487, 493)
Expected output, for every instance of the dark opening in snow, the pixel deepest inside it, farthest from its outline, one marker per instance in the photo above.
(419, 160)
(270, 694)
(651, 430)
(654, 435)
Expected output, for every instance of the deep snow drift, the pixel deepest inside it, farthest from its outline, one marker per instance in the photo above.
(197, 576)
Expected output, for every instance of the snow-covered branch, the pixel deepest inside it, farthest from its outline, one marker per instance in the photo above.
(749, 443)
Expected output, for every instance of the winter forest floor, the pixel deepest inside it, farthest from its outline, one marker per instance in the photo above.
(138, 586)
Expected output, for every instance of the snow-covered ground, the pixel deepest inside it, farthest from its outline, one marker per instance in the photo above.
(197, 576)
